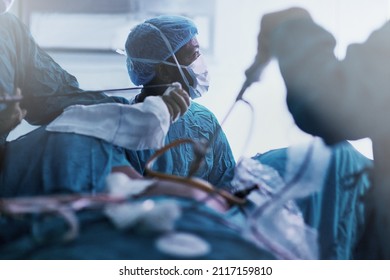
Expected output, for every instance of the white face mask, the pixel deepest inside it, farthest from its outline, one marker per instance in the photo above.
(5, 5)
(200, 76)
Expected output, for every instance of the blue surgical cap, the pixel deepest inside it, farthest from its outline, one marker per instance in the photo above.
(146, 42)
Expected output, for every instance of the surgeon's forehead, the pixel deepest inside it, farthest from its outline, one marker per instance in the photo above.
(189, 52)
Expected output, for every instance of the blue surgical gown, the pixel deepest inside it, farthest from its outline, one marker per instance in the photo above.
(43, 162)
(337, 211)
(197, 124)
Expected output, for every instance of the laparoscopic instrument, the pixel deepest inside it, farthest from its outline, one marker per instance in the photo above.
(5, 99)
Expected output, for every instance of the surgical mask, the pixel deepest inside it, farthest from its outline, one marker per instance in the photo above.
(5, 5)
(199, 75)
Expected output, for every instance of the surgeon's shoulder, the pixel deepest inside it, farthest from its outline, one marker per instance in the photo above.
(201, 111)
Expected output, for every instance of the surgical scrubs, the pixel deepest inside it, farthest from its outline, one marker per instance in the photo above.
(337, 211)
(197, 124)
(43, 162)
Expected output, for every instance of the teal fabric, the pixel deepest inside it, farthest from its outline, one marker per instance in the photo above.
(197, 124)
(44, 162)
(18, 242)
(337, 212)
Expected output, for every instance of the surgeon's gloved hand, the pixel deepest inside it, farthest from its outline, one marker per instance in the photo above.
(268, 25)
(12, 115)
(177, 101)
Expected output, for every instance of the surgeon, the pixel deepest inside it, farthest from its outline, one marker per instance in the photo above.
(163, 50)
(336, 212)
(336, 100)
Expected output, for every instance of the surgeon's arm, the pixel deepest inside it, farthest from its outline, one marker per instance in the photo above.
(326, 96)
(134, 127)
(43, 109)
